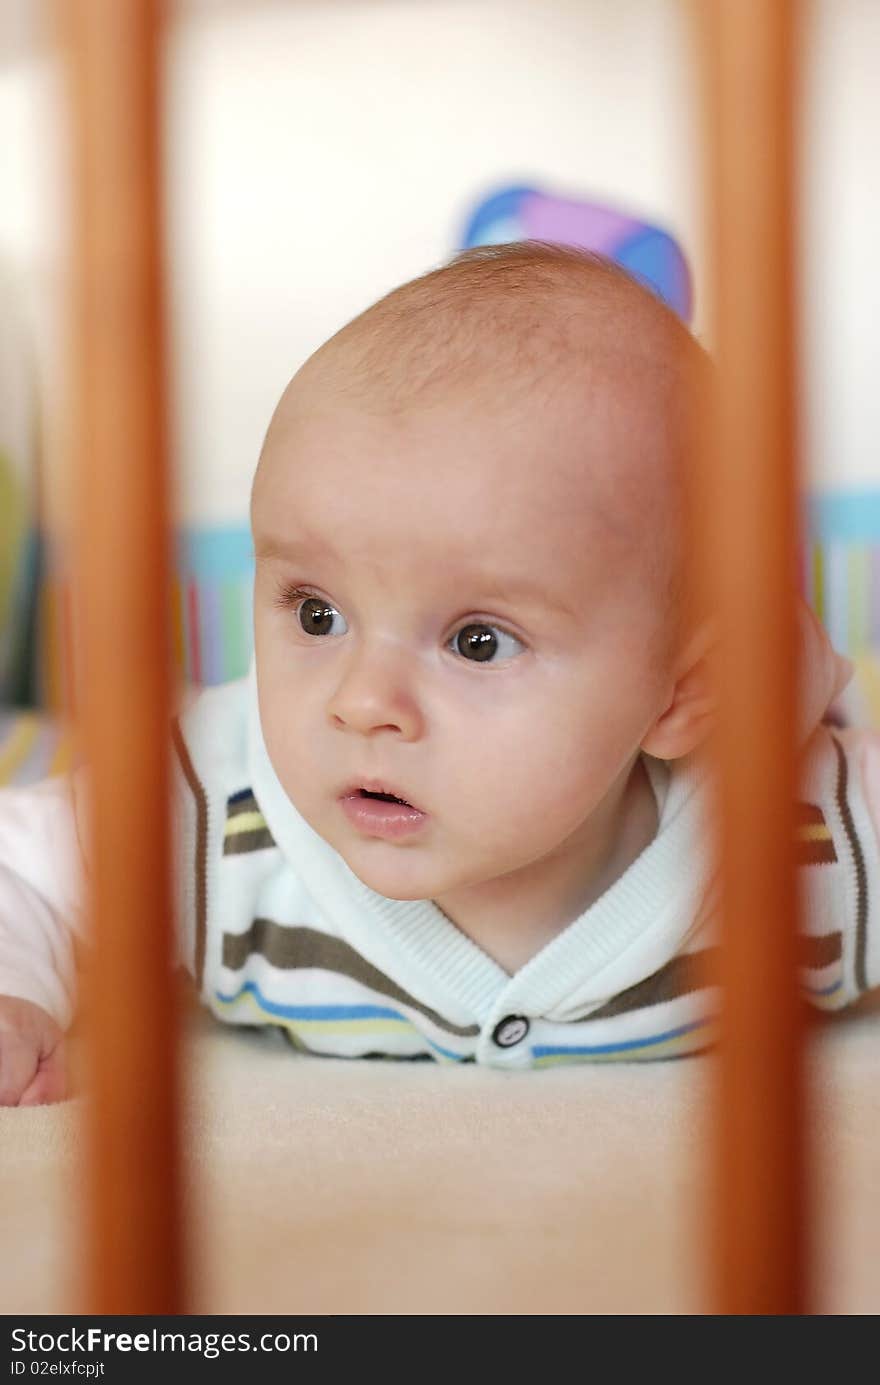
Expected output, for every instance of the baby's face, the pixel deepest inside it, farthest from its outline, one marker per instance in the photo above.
(447, 605)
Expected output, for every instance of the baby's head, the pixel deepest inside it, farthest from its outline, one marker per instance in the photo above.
(467, 526)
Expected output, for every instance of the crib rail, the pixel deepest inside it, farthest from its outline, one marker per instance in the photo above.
(749, 560)
(122, 565)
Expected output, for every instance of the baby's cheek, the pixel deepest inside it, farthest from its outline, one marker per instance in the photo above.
(282, 740)
(559, 764)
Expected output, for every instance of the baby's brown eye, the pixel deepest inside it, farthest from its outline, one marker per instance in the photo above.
(479, 643)
(476, 642)
(315, 616)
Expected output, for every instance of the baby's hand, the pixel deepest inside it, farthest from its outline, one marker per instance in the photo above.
(32, 1066)
(824, 673)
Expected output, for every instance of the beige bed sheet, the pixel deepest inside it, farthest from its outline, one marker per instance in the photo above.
(327, 1186)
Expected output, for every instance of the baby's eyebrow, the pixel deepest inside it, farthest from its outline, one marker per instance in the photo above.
(514, 589)
(270, 546)
(489, 586)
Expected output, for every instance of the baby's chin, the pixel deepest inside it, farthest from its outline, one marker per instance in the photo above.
(393, 882)
(401, 873)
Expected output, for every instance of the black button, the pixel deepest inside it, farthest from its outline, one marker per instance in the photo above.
(511, 1030)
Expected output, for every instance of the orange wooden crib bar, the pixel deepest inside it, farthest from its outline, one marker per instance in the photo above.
(122, 580)
(745, 478)
(748, 550)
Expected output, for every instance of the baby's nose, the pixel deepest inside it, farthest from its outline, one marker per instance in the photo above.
(376, 694)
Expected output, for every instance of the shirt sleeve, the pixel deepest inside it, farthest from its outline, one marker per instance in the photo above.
(44, 868)
(42, 886)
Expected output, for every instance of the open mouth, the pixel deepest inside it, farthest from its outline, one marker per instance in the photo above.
(379, 790)
(385, 797)
(396, 817)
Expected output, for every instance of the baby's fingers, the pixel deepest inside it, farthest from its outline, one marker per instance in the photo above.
(50, 1081)
(843, 673)
(19, 1061)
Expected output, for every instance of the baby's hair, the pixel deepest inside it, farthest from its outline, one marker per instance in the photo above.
(527, 265)
(519, 307)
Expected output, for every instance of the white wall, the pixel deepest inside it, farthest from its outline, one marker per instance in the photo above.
(326, 152)
(321, 151)
(31, 244)
(841, 243)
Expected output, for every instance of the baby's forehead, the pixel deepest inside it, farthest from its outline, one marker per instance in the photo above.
(526, 422)
(466, 482)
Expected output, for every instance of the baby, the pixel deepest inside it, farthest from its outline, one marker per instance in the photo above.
(457, 809)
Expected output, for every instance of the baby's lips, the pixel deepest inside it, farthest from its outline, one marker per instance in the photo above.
(376, 786)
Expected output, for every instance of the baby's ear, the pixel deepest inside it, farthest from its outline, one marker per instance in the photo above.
(688, 718)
